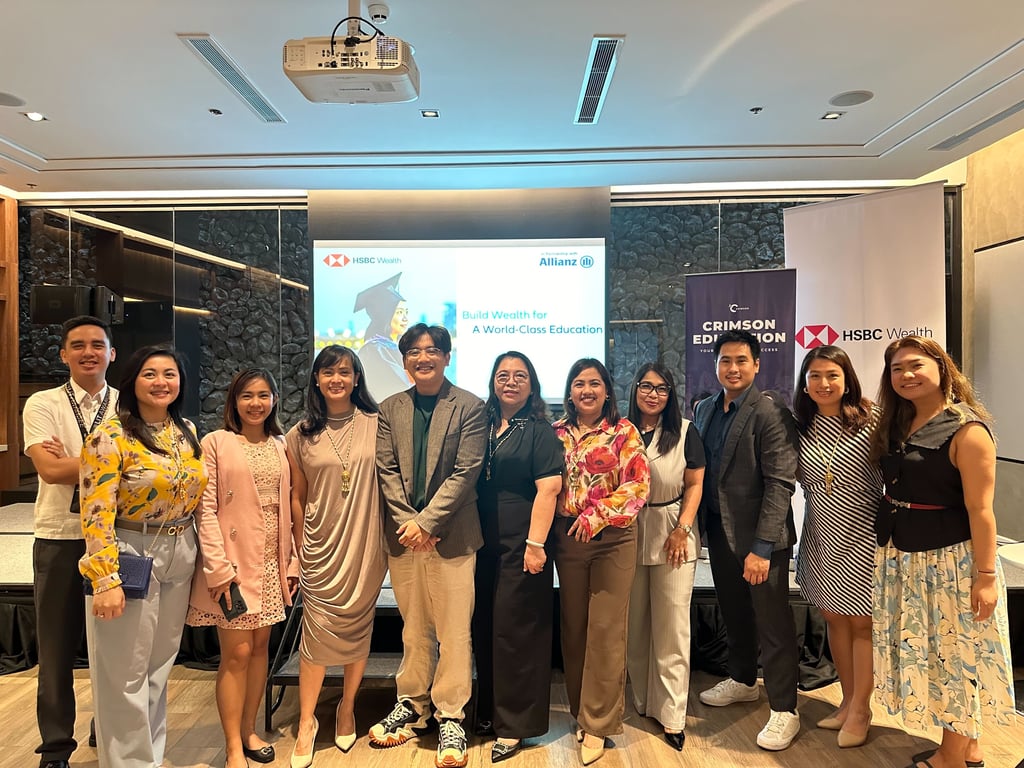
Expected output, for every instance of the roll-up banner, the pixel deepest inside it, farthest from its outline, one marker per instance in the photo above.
(762, 302)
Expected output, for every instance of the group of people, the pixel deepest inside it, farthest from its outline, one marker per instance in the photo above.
(470, 504)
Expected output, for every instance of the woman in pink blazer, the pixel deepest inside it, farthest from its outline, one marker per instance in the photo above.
(245, 551)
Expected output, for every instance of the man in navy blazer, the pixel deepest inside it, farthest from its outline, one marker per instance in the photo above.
(430, 447)
(751, 445)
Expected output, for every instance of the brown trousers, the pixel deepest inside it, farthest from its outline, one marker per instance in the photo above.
(594, 585)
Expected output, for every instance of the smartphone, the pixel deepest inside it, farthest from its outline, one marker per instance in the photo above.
(238, 606)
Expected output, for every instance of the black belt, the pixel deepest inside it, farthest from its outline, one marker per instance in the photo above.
(170, 528)
(665, 503)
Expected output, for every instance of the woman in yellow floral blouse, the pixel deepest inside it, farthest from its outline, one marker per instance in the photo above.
(142, 476)
(608, 479)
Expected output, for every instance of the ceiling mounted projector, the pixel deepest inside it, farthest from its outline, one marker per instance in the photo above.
(380, 70)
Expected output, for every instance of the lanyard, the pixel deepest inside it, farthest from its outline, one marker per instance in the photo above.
(100, 413)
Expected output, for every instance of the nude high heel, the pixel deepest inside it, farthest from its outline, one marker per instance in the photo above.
(304, 761)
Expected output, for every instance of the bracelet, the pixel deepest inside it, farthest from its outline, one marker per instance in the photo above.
(533, 543)
(684, 528)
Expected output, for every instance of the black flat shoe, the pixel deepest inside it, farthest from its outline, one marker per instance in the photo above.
(261, 755)
(922, 757)
(501, 751)
(676, 740)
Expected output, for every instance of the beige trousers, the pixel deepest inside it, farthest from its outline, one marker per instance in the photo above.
(435, 596)
(658, 651)
(594, 581)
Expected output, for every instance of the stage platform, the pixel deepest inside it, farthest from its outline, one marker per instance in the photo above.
(16, 548)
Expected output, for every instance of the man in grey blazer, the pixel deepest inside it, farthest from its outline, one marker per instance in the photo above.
(750, 442)
(430, 447)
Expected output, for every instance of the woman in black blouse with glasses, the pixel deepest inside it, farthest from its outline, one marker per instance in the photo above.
(518, 487)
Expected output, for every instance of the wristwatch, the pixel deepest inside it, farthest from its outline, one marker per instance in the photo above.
(685, 528)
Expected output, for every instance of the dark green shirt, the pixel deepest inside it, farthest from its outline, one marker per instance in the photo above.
(423, 412)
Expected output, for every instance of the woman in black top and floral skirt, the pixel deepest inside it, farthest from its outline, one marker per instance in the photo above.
(518, 487)
(941, 635)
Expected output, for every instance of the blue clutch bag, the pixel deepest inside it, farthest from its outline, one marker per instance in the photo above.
(135, 571)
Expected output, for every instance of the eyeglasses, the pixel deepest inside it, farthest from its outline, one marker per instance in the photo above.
(415, 352)
(519, 377)
(645, 387)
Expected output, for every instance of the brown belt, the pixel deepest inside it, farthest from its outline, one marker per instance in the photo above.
(909, 505)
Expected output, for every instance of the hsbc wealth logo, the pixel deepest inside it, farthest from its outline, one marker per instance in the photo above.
(336, 260)
(811, 336)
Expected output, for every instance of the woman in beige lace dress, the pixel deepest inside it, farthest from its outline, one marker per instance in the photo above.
(337, 522)
(245, 540)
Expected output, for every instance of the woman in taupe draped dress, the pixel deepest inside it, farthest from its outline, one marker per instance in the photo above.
(336, 522)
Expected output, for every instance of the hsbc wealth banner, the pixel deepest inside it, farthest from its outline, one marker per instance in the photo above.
(761, 302)
(870, 270)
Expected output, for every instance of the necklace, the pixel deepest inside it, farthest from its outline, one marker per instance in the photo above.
(494, 443)
(829, 477)
(343, 419)
(346, 476)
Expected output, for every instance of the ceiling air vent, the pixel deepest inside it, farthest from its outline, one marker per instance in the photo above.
(604, 52)
(959, 138)
(217, 59)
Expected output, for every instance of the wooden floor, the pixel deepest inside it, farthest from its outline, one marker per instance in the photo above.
(720, 737)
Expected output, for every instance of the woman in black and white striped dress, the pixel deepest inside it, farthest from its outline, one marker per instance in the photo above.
(837, 547)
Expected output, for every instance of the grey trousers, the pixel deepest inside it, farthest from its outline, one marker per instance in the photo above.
(60, 623)
(130, 658)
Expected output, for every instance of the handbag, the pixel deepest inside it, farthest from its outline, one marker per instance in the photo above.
(135, 571)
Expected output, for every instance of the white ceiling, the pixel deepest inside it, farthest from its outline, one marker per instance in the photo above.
(127, 103)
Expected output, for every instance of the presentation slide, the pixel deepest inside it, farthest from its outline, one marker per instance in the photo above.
(545, 298)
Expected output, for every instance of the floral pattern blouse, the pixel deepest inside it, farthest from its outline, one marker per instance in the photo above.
(608, 476)
(121, 479)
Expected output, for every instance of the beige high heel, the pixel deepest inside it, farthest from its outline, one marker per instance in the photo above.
(846, 739)
(831, 724)
(588, 752)
(304, 761)
(343, 741)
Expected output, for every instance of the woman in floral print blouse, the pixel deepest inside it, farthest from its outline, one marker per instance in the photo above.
(594, 540)
(142, 476)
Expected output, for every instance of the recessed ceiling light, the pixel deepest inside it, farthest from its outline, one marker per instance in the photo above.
(430, 113)
(832, 115)
(35, 117)
(851, 98)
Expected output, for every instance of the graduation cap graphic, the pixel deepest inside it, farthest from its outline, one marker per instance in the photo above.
(379, 302)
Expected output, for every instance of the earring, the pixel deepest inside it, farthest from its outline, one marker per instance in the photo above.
(846, 391)
(805, 391)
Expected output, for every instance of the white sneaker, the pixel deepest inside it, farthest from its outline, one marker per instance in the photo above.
(728, 692)
(781, 729)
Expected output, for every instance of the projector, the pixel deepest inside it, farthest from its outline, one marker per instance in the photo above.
(376, 71)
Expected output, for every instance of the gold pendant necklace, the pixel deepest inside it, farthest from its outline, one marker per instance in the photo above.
(346, 476)
(829, 477)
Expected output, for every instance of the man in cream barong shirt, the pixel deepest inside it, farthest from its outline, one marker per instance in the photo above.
(56, 421)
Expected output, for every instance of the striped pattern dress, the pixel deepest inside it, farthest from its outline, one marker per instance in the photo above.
(836, 559)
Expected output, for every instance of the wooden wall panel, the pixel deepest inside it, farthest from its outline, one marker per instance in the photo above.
(10, 440)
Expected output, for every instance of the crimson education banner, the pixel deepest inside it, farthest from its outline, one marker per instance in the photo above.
(762, 302)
